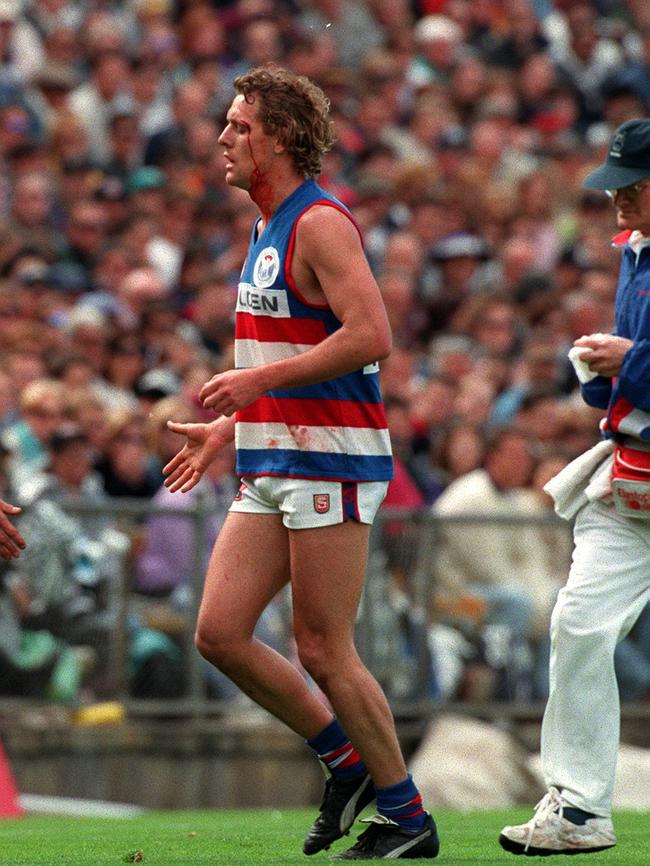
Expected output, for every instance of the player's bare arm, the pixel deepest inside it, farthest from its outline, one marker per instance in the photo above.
(202, 443)
(11, 541)
(328, 267)
(606, 352)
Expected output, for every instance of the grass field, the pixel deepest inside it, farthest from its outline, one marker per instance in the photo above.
(264, 837)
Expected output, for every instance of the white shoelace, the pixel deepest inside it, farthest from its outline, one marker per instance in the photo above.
(550, 804)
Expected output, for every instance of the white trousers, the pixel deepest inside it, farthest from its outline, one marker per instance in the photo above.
(608, 587)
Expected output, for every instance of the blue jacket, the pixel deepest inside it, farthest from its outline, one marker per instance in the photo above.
(627, 396)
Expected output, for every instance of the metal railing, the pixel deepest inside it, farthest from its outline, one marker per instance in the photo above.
(403, 555)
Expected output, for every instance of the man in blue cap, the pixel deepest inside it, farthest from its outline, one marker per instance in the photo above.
(607, 490)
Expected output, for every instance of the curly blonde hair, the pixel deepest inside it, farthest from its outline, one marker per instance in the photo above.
(293, 108)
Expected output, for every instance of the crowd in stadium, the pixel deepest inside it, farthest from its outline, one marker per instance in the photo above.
(464, 128)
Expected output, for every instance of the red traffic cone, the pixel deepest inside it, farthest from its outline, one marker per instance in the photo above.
(9, 803)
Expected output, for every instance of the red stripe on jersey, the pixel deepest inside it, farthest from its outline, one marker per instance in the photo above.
(315, 413)
(268, 329)
(620, 410)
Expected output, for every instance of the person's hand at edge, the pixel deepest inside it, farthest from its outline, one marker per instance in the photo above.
(11, 541)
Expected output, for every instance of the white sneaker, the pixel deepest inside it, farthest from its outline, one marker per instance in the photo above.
(548, 832)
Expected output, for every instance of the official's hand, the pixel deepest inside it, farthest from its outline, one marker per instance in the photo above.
(11, 541)
(227, 392)
(606, 352)
(202, 444)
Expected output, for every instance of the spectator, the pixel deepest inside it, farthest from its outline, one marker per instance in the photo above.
(462, 260)
(492, 322)
(125, 364)
(540, 369)
(437, 43)
(42, 408)
(95, 100)
(523, 39)
(403, 493)
(458, 450)
(30, 220)
(21, 51)
(68, 477)
(69, 144)
(190, 101)
(126, 466)
(496, 567)
(46, 613)
(124, 141)
(49, 90)
(586, 59)
(140, 288)
(354, 29)
(85, 234)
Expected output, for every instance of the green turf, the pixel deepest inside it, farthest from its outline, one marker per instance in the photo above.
(230, 838)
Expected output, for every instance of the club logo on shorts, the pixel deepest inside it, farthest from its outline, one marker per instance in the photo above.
(267, 267)
(321, 503)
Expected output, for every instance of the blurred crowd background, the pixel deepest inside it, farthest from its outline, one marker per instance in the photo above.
(464, 128)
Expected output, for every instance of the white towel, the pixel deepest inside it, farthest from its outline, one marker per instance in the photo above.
(583, 480)
(581, 367)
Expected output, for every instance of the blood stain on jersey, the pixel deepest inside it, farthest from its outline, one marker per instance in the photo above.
(301, 436)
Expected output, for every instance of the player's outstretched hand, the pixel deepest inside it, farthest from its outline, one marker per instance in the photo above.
(11, 541)
(202, 443)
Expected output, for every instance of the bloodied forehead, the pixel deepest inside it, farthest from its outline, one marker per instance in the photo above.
(241, 110)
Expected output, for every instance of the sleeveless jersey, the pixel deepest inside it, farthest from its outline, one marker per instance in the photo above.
(333, 430)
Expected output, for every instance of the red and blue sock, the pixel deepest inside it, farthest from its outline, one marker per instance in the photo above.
(335, 750)
(402, 803)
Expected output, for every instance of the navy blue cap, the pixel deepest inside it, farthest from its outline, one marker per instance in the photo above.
(628, 158)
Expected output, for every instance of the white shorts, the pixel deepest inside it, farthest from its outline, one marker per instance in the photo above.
(306, 504)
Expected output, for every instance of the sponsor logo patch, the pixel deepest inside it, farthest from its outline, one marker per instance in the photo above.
(618, 143)
(321, 503)
(270, 302)
(267, 267)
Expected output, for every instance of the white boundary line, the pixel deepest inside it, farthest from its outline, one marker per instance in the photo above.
(79, 808)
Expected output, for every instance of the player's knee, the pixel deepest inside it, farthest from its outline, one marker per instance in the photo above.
(213, 647)
(204, 645)
(316, 656)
